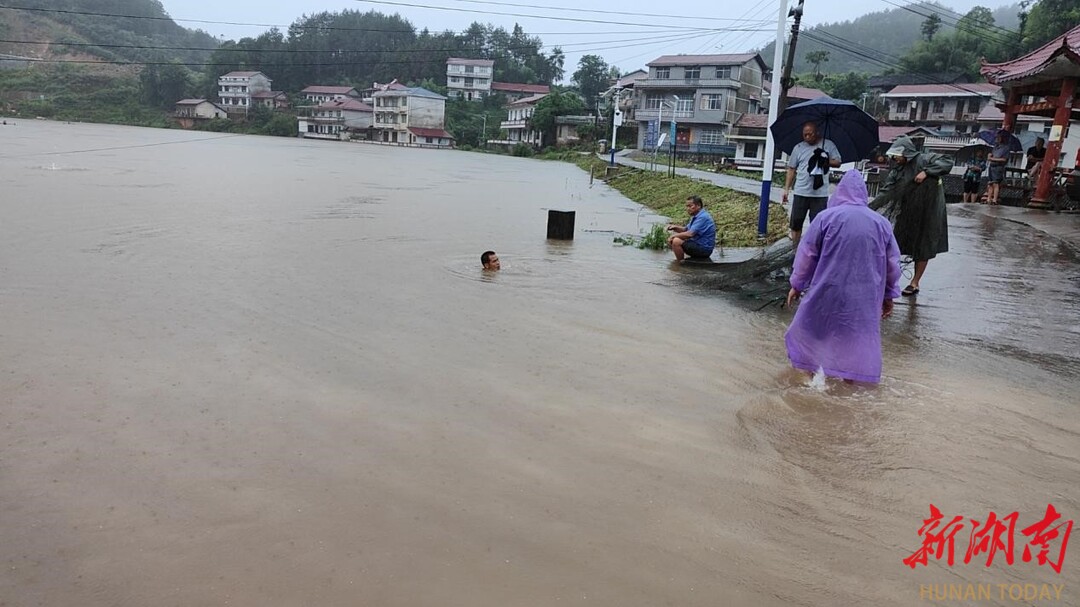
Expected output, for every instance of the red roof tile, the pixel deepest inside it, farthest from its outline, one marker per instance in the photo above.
(514, 87)
(928, 90)
(752, 121)
(422, 132)
(329, 90)
(1063, 48)
(346, 104)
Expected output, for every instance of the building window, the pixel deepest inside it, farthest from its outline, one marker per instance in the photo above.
(974, 105)
(723, 72)
(939, 106)
(652, 102)
(712, 102)
(428, 139)
(693, 73)
(663, 73)
(750, 149)
(684, 105)
(712, 137)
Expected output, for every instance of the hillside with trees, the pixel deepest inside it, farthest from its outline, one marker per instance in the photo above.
(90, 29)
(887, 35)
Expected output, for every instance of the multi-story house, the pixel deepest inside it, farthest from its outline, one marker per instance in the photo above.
(414, 116)
(516, 92)
(704, 94)
(948, 108)
(469, 78)
(314, 95)
(518, 127)
(335, 119)
(235, 90)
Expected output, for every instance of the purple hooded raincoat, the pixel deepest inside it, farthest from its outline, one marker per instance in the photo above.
(847, 264)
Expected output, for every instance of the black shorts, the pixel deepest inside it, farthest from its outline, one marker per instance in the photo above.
(971, 186)
(695, 250)
(801, 205)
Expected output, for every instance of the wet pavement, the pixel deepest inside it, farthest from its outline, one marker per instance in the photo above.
(259, 371)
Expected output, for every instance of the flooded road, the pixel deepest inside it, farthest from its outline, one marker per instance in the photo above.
(258, 371)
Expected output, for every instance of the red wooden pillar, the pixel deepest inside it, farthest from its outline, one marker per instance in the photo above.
(1053, 148)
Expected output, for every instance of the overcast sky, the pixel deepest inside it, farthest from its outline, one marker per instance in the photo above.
(612, 36)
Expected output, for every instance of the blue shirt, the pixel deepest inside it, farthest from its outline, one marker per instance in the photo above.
(704, 229)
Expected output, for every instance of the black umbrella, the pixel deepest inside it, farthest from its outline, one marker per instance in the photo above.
(854, 132)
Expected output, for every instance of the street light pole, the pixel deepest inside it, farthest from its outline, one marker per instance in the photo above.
(483, 134)
(616, 120)
(770, 141)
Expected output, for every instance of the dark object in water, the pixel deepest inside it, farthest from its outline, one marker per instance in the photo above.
(560, 225)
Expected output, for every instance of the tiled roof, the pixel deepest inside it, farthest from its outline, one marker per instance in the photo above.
(190, 101)
(329, 90)
(422, 132)
(991, 113)
(632, 78)
(752, 121)
(1065, 48)
(944, 90)
(241, 74)
(535, 89)
(702, 59)
(346, 104)
(528, 100)
(799, 92)
(892, 80)
(267, 94)
(479, 62)
(887, 133)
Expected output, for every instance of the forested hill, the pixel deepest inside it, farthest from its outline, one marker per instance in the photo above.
(894, 32)
(91, 28)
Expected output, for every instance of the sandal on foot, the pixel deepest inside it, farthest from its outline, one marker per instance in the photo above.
(909, 291)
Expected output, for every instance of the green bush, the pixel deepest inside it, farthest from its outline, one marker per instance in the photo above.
(656, 239)
(522, 150)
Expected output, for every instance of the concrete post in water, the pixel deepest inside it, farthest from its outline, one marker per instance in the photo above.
(560, 225)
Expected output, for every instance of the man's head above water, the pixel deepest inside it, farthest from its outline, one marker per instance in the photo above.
(490, 260)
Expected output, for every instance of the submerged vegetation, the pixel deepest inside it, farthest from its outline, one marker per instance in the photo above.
(735, 213)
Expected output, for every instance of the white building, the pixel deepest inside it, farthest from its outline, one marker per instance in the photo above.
(399, 113)
(518, 127)
(235, 90)
(469, 78)
(315, 95)
(199, 109)
(335, 119)
(949, 108)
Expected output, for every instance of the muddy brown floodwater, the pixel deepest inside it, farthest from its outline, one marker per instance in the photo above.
(257, 371)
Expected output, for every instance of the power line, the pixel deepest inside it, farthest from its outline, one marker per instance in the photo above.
(344, 50)
(279, 26)
(530, 16)
(318, 64)
(1004, 37)
(599, 12)
(873, 55)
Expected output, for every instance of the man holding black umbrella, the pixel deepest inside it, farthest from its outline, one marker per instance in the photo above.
(808, 168)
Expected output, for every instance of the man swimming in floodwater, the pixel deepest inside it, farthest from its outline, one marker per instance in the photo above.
(490, 261)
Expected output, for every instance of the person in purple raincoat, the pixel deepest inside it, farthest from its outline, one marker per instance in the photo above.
(848, 266)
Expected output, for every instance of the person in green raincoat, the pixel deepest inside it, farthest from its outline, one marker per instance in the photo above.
(913, 197)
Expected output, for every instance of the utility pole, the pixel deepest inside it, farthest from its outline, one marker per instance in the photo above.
(483, 134)
(616, 120)
(786, 82)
